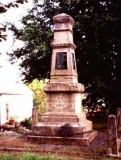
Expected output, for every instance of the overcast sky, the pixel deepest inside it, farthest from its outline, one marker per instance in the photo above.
(12, 15)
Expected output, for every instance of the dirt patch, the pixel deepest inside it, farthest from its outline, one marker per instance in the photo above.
(100, 140)
(15, 143)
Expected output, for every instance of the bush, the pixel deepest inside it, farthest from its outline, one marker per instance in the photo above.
(26, 123)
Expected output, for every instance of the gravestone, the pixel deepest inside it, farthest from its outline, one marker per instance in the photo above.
(63, 93)
(34, 116)
(113, 143)
(119, 119)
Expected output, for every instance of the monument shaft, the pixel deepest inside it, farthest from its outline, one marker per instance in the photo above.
(63, 93)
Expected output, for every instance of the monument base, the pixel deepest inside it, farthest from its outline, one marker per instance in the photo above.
(69, 141)
(76, 133)
(53, 128)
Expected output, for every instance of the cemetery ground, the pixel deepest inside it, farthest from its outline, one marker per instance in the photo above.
(16, 145)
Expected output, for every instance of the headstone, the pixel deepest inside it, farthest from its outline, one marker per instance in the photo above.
(119, 119)
(34, 116)
(113, 144)
(64, 93)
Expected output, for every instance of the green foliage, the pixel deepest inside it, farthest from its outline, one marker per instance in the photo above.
(26, 123)
(7, 157)
(97, 36)
(33, 156)
(39, 98)
(29, 156)
(3, 9)
(100, 126)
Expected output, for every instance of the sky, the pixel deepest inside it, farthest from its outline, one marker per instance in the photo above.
(13, 15)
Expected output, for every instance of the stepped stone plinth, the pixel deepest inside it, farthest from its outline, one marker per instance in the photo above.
(63, 93)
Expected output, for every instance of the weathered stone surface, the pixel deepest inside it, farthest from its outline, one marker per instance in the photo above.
(52, 128)
(63, 43)
(72, 141)
(63, 87)
(63, 102)
(63, 117)
(119, 119)
(63, 22)
(113, 144)
(34, 116)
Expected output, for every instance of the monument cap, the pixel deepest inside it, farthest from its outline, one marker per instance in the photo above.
(63, 17)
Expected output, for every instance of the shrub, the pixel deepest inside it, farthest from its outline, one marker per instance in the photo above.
(26, 123)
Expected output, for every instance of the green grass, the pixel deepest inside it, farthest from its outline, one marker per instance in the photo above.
(33, 156)
(30, 156)
(7, 157)
(99, 126)
(99, 122)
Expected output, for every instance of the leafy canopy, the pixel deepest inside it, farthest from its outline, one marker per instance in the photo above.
(39, 98)
(3, 9)
(97, 35)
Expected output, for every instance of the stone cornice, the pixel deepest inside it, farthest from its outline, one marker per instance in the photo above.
(63, 87)
(64, 45)
(62, 18)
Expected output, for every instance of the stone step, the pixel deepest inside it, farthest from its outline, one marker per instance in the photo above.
(52, 128)
(63, 117)
(70, 141)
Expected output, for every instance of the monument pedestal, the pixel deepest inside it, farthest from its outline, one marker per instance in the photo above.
(63, 106)
(64, 120)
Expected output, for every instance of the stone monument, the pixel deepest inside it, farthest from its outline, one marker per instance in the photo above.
(113, 143)
(118, 119)
(63, 93)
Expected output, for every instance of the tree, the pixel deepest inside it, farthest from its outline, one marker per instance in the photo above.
(97, 36)
(39, 98)
(3, 9)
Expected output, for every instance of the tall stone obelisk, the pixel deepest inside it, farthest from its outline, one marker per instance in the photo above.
(63, 93)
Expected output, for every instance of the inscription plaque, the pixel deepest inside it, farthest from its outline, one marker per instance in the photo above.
(73, 60)
(60, 103)
(61, 60)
